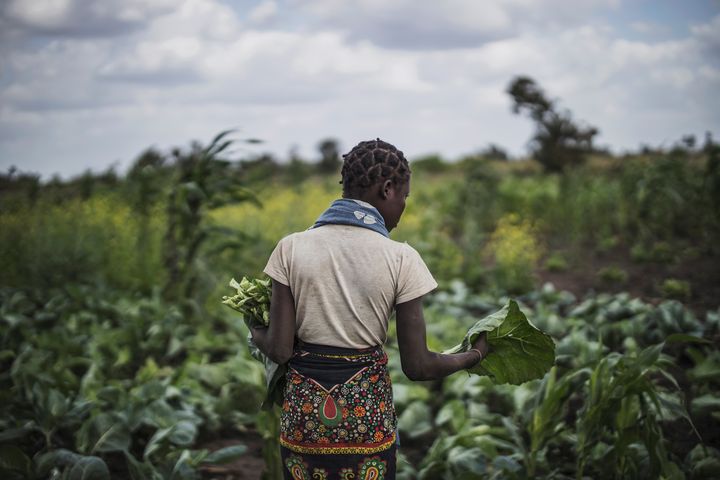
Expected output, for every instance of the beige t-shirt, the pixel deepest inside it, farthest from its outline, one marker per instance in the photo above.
(345, 281)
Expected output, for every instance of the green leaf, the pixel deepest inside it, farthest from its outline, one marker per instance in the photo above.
(183, 433)
(156, 441)
(707, 468)
(452, 413)
(57, 403)
(89, 468)
(16, 433)
(141, 470)
(704, 462)
(705, 403)
(225, 455)
(212, 148)
(548, 416)
(466, 463)
(404, 394)
(54, 458)
(506, 463)
(114, 439)
(14, 461)
(182, 469)
(684, 338)
(707, 370)
(518, 351)
(416, 420)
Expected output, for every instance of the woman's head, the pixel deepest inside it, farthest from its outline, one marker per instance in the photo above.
(369, 163)
(377, 172)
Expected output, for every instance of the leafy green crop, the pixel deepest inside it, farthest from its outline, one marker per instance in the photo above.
(253, 301)
(518, 350)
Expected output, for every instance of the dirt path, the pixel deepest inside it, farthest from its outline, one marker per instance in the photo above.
(248, 467)
(643, 279)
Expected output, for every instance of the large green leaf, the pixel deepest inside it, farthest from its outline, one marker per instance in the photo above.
(518, 351)
(141, 470)
(54, 458)
(89, 468)
(453, 413)
(182, 469)
(17, 433)
(416, 420)
(225, 455)
(156, 441)
(183, 433)
(116, 438)
(14, 463)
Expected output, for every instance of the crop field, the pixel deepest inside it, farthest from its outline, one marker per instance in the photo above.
(119, 359)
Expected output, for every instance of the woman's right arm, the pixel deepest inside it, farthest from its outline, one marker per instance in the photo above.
(419, 363)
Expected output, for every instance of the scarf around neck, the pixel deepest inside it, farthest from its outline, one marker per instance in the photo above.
(349, 211)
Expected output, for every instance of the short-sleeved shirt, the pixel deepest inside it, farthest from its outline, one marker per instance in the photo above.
(345, 281)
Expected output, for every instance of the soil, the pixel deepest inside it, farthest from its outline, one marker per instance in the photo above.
(248, 467)
(643, 278)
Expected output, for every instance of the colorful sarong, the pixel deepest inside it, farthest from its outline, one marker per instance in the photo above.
(337, 418)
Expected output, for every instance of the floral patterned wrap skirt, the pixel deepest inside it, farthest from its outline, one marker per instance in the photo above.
(338, 420)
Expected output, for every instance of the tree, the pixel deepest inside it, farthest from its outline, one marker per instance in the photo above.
(329, 156)
(297, 169)
(558, 141)
(494, 152)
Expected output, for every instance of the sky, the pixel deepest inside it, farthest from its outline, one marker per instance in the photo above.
(90, 84)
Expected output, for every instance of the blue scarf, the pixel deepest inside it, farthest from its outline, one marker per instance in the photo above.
(348, 211)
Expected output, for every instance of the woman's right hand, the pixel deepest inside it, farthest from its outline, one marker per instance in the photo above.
(481, 344)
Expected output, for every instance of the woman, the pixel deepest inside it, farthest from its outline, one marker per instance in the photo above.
(334, 287)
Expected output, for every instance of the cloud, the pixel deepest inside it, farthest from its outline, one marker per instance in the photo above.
(83, 17)
(264, 12)
(708, 36)
(428, 24)
(167, 61)
(649, 28)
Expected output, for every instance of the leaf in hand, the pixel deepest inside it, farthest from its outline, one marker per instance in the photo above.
(518, 351)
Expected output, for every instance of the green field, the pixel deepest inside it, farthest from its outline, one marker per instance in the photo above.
(119, 360)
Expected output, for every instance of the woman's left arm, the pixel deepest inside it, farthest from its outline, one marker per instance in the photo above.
(277, 340)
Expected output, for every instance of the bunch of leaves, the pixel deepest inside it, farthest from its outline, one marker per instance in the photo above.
(252, 300)
(518, 351)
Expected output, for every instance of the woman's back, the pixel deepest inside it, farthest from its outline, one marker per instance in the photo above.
(345, 281)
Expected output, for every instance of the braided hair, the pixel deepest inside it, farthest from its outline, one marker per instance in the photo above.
(370, 162)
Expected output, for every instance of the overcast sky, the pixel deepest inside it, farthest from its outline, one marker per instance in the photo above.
(88, 83)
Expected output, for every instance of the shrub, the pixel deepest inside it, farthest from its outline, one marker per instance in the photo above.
(662, 252)
(674, 288)
(607, 243)
(430, 163)
(657, 252)
(613, 275)
(556, 262)
(516, 250)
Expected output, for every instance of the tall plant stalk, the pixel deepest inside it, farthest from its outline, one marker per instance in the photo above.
(203, 181)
